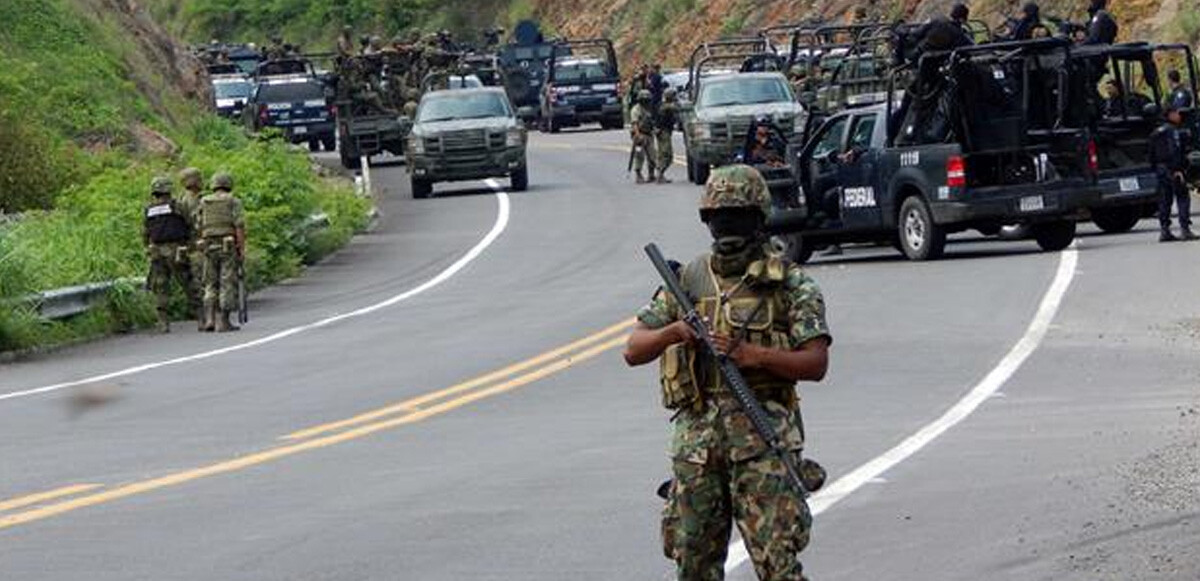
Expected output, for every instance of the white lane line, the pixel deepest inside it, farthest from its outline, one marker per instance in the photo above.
(846, 485)
(497, 229)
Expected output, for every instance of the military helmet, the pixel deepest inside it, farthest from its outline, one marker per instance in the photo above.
(222, 181)
(376, 41)
(735, 186)
(669, 94)
(189, 175)
(161, 186)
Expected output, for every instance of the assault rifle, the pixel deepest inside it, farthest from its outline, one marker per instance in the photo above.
(243, 306)
(729, 371)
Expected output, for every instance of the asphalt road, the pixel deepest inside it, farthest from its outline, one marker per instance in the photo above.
(483, 439)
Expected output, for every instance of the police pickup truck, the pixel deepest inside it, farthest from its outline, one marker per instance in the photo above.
(295, 104)
(465, 134)
(583, 85)
(981, 146)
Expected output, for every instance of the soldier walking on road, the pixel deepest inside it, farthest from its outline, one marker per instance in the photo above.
(189, 202)
(223, 243)
(768, 317)
(1168, 153)
(664, 127)
(166, 232)
(641, 121)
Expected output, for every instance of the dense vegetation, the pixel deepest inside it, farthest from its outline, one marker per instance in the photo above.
(82, 133)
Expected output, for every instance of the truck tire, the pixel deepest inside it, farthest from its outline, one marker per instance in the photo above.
(1054, 236)
(349, 159)
(314, 145)
(797, 250)
(421, 189)
(519, 180)
(701, 172)
(1117, 220)
(329, 142)
(691, 170)
(920, 237)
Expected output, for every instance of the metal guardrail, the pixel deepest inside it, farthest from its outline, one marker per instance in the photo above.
(75, 300)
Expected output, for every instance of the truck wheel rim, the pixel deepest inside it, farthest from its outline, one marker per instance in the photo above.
(914, 229)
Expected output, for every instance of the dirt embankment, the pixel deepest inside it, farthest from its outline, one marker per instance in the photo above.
(667, 30)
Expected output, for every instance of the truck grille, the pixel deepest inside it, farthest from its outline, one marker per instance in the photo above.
(455, 141)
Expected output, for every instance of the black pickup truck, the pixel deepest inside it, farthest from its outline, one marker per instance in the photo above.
(983, 144)
(583, 85)
(1123, 120)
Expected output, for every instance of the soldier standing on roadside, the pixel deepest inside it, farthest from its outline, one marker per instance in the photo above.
(189, 202)
(768, 317)
(166, 233)
(641, 121)
(223, 243)
(664, 127)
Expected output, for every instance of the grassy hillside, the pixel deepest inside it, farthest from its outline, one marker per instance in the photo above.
(663, 30)
(95, 100)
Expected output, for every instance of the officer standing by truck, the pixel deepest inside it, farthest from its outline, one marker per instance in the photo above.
(166, 232)
(1168, 153)
(664, 127)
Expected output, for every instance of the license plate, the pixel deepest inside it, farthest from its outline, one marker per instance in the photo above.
(1130, 184)
(1032, 204)
(300, 130)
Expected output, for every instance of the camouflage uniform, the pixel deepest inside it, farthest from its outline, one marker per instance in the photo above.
(166, 232)
(723, 471)
(189, 202)
(641, 120)
(222, 236)
(664, 127)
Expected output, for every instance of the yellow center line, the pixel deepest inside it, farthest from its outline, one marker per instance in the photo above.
(354, 433)
(23, 501)
(415, 403)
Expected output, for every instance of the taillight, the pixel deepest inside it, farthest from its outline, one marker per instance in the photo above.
(1093, 157)
(956, 172)
(263, 114)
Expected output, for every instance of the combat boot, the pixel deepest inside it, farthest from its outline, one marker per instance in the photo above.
(1166, 236)
(210, 319)
(662, 178)
(640, 179)
(223, 324)
(1187, 234)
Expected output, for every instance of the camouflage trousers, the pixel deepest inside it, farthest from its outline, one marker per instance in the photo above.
(644, 154)
(220, 273)
(665, 150)
(168, 262)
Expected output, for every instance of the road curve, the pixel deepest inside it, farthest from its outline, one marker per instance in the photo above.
(487, 428)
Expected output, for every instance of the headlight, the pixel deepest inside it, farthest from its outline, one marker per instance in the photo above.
(798, 124)
(416, 145)
(702, 131)
(515, 138)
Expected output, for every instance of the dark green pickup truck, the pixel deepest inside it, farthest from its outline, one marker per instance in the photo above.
(466, 134)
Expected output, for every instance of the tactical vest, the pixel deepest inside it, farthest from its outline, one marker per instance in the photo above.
(667, 118)
(165, 224)
(216, 216)
(753, 307)
(644, 120)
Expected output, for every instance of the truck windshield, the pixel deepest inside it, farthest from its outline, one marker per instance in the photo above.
(232, 90)
(580, 71)
(736, 90)
(290, 92)
(462, 106)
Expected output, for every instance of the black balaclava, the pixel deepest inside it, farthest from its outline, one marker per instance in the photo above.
(738, 239)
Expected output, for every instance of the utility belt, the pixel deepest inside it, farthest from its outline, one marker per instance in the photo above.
(225, 243)
(172, 250)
